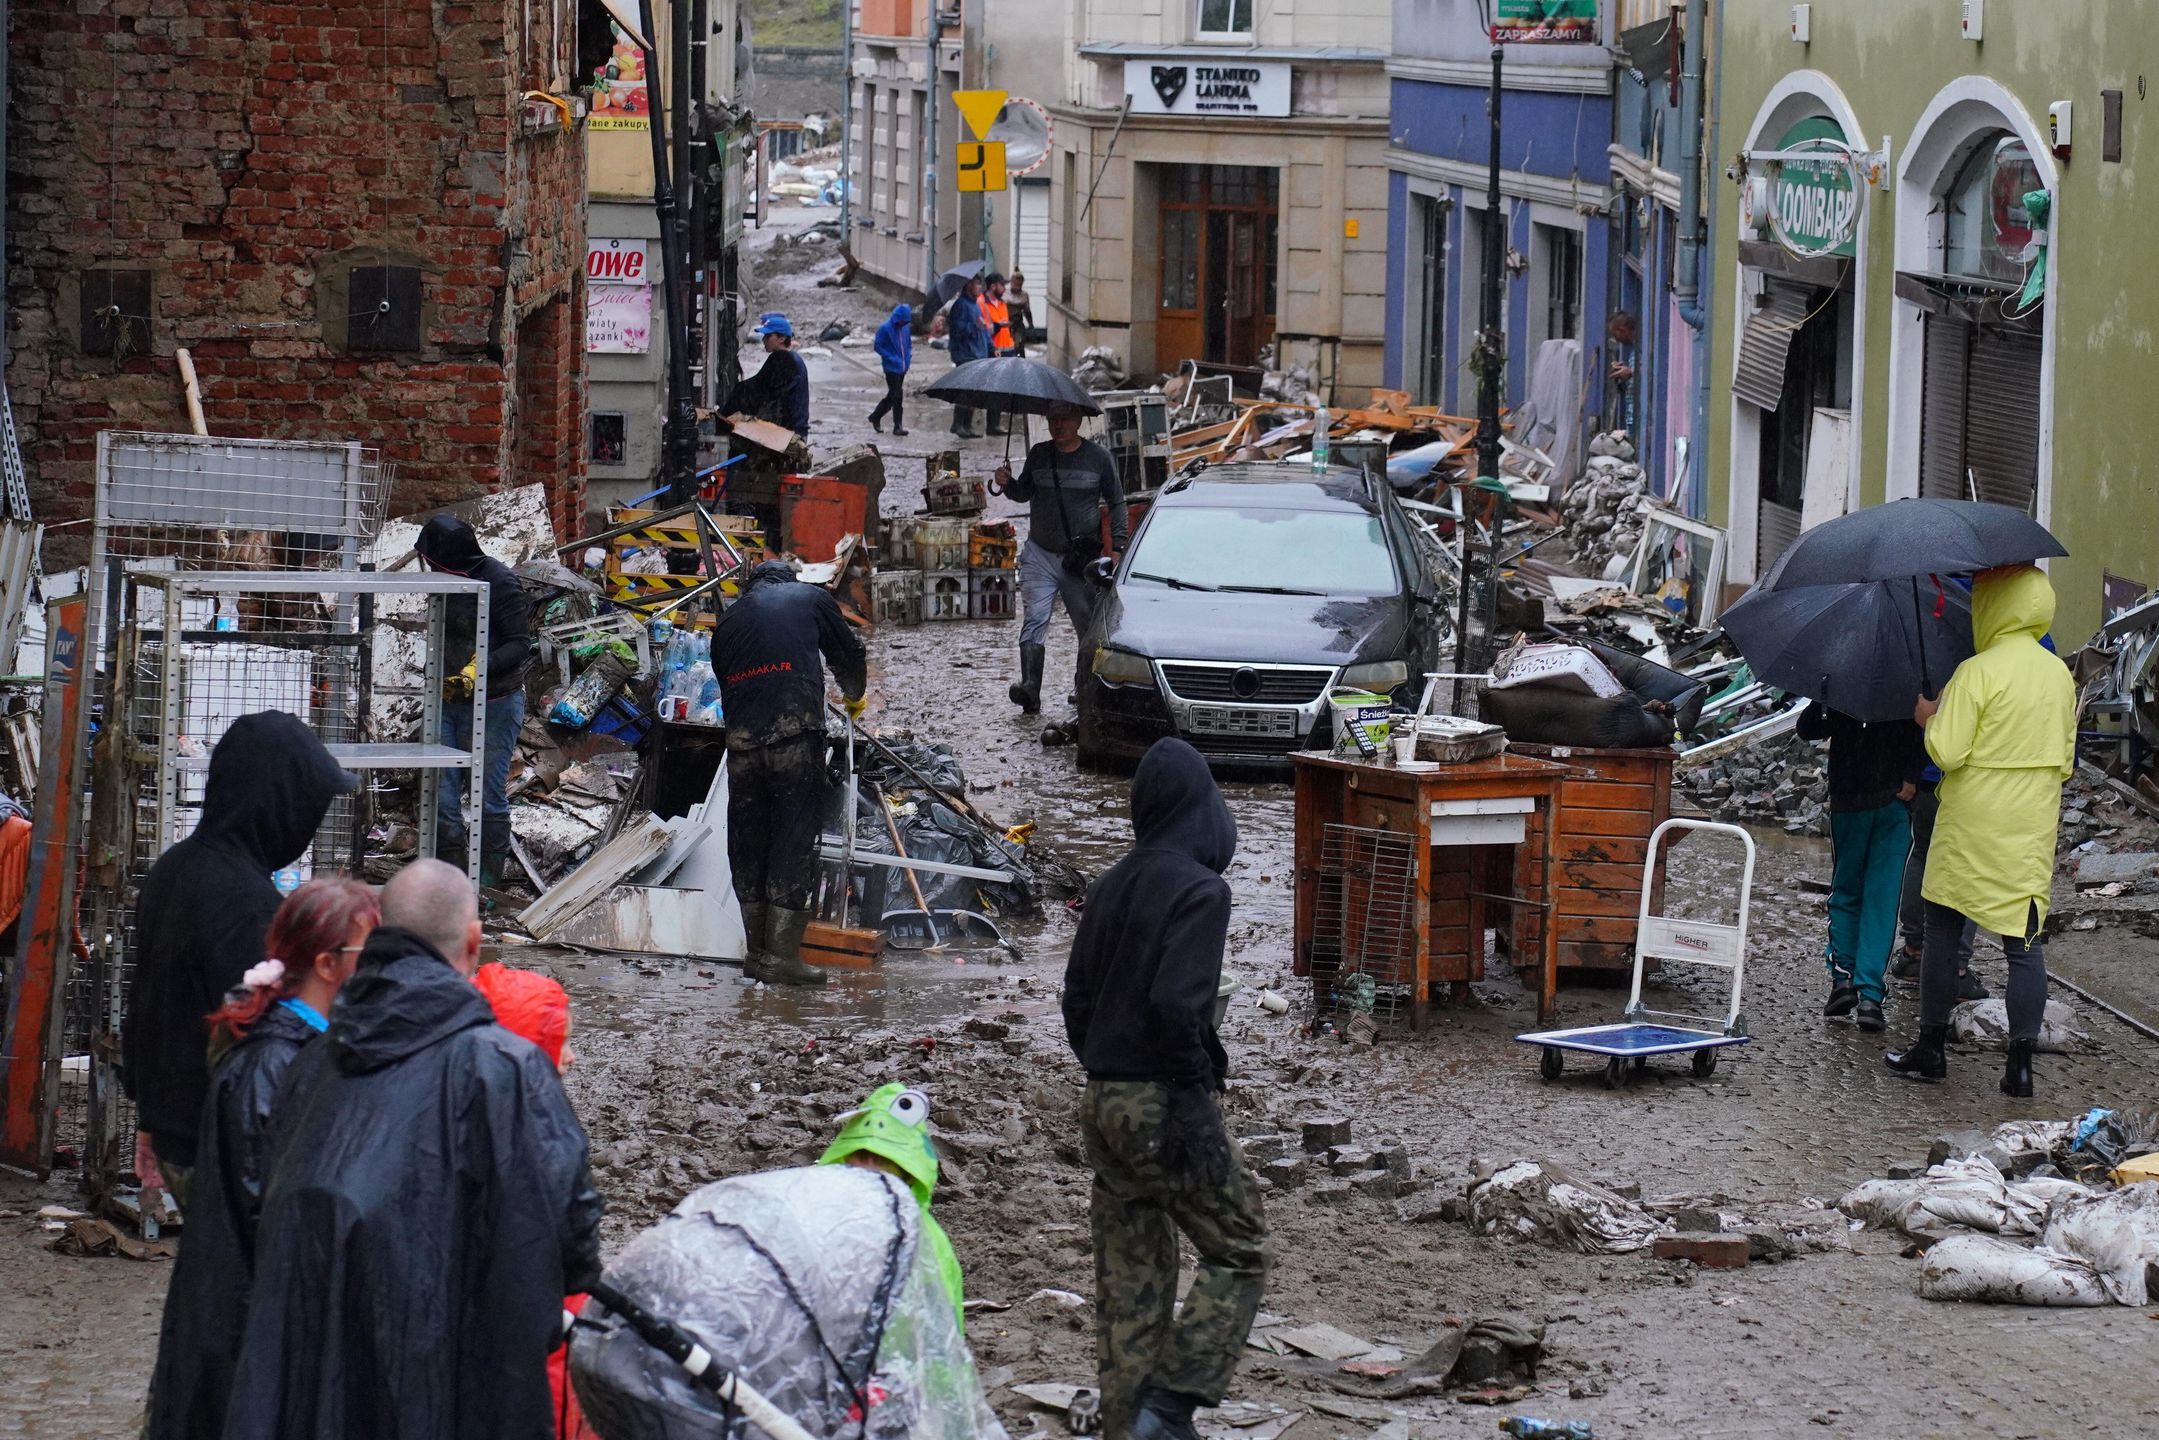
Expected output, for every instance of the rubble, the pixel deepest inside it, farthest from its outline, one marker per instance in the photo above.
(1603, 510)
(1783, 782)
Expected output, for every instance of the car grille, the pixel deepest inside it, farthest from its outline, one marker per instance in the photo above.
(1259, 684)
(1241, 720)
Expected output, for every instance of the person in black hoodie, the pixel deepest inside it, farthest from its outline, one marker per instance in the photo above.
(1139, 999)
(428, 1206)
(766, 652)
(199, 923)
(315, 940)
(1874, 771)
(447, 544)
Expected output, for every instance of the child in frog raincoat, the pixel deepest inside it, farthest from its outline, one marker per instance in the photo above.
(891, 1132)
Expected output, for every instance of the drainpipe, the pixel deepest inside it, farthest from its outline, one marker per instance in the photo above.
(1687, 271)
(929, 152)
(1698, 497)
(847, 128)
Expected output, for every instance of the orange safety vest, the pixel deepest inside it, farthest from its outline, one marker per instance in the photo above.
(998, 320)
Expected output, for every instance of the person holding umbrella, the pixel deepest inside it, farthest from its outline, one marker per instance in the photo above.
(970, 341)
(1068, 482)
(2003, 733)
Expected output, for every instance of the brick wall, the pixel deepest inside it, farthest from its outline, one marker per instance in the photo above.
(248, 156)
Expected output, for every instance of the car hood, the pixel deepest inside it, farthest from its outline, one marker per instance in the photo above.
(1279, 629)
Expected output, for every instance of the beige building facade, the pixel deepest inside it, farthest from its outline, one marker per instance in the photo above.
(1219, 187)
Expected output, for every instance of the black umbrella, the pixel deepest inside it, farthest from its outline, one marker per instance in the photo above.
(1911, 538)
(951, 282)
(1867, 648)
(1012, 383)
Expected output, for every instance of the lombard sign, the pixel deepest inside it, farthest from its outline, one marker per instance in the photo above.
(1816, 207)
(1183, 85)
(617, 262)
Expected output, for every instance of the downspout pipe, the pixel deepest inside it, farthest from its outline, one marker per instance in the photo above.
(1687, 270)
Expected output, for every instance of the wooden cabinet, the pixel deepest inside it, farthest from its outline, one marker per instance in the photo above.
(1609, 803)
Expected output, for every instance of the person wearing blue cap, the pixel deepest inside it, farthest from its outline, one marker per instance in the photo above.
(779, 392)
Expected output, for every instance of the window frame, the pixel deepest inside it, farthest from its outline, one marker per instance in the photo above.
(1231, 30)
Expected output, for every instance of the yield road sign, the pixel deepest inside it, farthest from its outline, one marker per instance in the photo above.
(979, 108)
(981, 165)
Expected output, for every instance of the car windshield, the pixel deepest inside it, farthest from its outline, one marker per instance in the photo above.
(1269, 550)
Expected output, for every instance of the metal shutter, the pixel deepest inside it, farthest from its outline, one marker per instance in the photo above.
(1031, 235)
(1758, 377)
(2001, 417)
(1778, 528)
(1944, 382)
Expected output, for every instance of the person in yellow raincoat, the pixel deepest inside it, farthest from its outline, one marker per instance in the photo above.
(2003, 734)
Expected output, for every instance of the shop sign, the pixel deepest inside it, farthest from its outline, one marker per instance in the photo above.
(620, 98)
(1817, 209)
(618, 319)
(1544, 22)
(617, 262)
(1181, 85)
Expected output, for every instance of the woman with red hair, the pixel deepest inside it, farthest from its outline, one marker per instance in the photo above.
(313, 943)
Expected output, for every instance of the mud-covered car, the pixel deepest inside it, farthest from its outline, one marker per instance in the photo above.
(1248, 593)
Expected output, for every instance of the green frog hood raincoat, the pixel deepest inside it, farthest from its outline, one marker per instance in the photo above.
(2005, 740)
(894, 1125)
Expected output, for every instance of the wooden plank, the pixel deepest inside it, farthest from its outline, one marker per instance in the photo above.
(1589, 875)
(1604, 850)
(1607, 797)
(1576, 902)
(1605, 929)
(1593, 955)
(1608, 822)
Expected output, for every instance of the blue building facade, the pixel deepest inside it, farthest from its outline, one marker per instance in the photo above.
(1556, 187)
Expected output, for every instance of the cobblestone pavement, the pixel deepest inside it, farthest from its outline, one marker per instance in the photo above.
(686, 1075)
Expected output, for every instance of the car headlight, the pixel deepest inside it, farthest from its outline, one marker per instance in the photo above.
(1122, 667)
(1379, 677)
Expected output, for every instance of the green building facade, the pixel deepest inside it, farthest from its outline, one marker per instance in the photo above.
(1924, 288)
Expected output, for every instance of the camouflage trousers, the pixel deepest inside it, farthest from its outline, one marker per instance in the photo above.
(1140, 1206)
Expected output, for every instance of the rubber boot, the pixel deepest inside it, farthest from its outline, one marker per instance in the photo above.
(1925, 1059)
(1026, 692)
(783, 957)
(753, 931)
(496, 862)
(1165, 1415)
(2017, 1077)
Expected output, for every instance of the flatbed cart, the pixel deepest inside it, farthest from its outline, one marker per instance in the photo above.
(1645, 1032)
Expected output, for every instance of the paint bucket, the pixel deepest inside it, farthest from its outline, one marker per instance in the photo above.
(1360, 722)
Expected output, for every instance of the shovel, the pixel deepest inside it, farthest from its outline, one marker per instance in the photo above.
(924, 928)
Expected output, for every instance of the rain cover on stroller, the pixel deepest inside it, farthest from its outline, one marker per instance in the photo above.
(812, 1286)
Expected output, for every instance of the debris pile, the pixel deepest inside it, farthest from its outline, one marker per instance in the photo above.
(2077, 1188)
(1783, 782)
(1603, 509)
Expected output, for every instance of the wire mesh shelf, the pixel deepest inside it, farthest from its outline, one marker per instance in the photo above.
(1364, 924)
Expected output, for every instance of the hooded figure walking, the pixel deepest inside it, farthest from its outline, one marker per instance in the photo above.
(200, 920)
(447, 544)
(2004, 734)
(895, 346)
(1139, 999)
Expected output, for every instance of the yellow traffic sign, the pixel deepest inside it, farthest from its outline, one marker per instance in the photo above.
(979, 108)
(981, 165)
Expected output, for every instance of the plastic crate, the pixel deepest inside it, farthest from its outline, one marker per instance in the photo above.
(992, 594)
(940, 545)
(946, 595)
(897, 550)
(896, 597)
(953, 495)
(992, 552)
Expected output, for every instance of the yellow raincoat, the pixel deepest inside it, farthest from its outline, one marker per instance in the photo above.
(2005, 740)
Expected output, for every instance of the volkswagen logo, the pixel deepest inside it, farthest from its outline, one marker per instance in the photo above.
(1244, 683)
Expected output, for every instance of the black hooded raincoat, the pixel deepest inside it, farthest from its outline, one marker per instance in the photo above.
(448, 544)
(206, 1305)
(766, 652)
(204, 907)
(428, 1207)
(1140, 987)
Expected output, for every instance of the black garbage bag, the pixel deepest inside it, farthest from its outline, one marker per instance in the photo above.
(1658, 705)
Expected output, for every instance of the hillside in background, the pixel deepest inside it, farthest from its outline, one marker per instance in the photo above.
(794, 22)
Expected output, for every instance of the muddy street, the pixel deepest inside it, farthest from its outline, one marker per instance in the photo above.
(685, 1074)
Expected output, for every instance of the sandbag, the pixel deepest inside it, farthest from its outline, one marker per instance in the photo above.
(2117, 1235)
(1539, 1201)
(1985, 1023)
(1983, 1268)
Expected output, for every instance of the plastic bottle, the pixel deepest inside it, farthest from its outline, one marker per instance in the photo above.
(662, 633)
(1322, 446)
(708, 701)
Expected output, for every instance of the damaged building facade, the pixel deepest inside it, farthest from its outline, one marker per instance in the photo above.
(1954, 299)
(350, 217)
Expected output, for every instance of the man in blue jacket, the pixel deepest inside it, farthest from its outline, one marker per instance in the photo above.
(970, 341)
(895, 346)
(780, 391)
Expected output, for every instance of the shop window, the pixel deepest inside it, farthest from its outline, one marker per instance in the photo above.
(383, 308)
(1986, 231)
(610, 438)
(1180, 260)
(1225, 17)
(115, 312)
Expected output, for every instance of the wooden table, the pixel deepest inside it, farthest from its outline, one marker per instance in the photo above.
(1396, 869)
